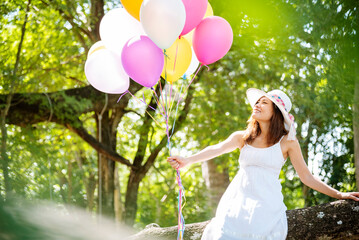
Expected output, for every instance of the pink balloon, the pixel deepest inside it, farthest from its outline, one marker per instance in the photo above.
(195, 11)
(142, 60)
(212, 39)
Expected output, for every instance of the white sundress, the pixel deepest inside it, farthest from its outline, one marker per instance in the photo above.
(252, 206)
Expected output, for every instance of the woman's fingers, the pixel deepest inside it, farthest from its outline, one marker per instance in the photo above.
(355, 196)
(176, 161)
(173, 160)
(352, 195)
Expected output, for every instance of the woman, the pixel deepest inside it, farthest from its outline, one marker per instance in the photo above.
(252, 206)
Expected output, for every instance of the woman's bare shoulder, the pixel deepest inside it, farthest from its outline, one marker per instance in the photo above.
(289, 144)
(238, 135)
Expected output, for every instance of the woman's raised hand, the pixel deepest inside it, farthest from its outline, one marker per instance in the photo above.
(177, 161)
(350, 195)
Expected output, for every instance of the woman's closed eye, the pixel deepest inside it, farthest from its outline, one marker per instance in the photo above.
(265, 102)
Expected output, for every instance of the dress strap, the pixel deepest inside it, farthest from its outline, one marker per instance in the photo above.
(281, 138)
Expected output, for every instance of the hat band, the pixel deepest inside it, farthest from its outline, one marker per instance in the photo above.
(280, 101)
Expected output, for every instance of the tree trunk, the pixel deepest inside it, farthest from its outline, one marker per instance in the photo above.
(90, 191)
(216, 182)
(118, 201)
(337, 220)
(107, 169)
(131, 197)
(97, 13)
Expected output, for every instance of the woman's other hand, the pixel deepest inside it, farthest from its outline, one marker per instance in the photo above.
(177, 161)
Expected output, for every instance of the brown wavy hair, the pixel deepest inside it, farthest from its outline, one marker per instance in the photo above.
(276, 128)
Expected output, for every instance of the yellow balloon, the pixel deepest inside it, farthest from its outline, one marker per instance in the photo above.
(189, 36)
(133, 7)
(176, 66)
(209, 13)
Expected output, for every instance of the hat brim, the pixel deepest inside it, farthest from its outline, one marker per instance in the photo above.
(253, 95)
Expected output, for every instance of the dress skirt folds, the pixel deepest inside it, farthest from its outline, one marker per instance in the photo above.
(252, 206)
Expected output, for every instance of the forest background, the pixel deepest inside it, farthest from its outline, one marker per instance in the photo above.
(50, 138)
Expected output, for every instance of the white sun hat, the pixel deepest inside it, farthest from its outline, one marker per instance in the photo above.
(281, 100)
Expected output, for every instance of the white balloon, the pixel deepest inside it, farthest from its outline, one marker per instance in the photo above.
(104, 71)
(116, 27)
(193, 65)
(163, 20)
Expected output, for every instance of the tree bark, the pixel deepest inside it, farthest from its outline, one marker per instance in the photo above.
(216, 182)
(337, 220)
(97, 13)
(117, 197)
(107, 167)
(131, 197)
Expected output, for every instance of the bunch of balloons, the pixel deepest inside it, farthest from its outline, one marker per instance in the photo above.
(148, 39)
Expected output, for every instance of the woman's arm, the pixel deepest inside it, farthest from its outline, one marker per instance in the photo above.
(311, 181)
(234, 141)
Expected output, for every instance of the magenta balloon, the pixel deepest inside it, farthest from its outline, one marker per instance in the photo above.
(195, 11)
(142, 60)
(212, 39)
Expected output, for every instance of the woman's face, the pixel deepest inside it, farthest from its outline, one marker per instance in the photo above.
(263, 109)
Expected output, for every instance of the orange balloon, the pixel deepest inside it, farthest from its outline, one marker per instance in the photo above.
(133, 7)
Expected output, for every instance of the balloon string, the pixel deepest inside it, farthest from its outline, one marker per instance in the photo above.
(174, 66)
(163, 99)
(138, 100)
(159, 103)
(181, 193)
(161, 96)
(122, 95)
(191, 82)
(174, 121)
(181, 222)
(172, 100)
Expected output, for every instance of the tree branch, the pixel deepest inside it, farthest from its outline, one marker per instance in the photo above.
(103, 149)
(144, 130)
(335, 220)
(77, 29)
(32, 108)
(66, 108)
